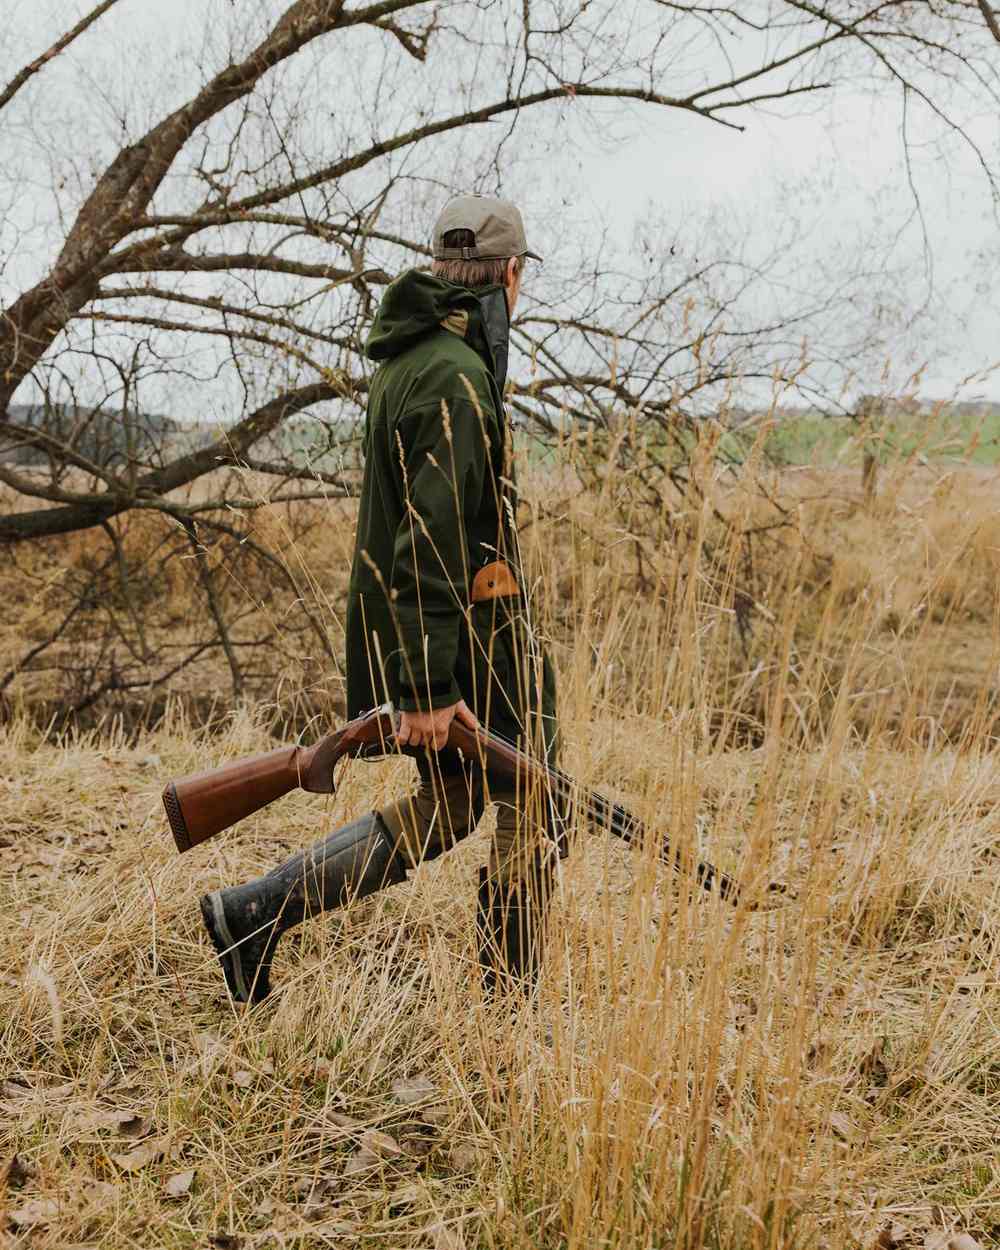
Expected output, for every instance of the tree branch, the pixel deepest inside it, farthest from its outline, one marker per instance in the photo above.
(85, 512)
(29, 71)
(991, 19)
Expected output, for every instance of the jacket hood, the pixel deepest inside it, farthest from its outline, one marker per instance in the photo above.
(417, 303)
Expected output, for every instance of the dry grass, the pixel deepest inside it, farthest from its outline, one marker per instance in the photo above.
(691, 1076)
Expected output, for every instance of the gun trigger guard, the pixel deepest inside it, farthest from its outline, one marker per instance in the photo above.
(375, 751)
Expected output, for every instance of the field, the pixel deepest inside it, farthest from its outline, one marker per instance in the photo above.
(970, 435)
(816, 1068)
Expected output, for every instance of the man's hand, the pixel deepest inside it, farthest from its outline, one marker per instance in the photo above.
(430, 729)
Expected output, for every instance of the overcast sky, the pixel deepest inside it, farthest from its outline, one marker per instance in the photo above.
(852, 152)
(683, 167)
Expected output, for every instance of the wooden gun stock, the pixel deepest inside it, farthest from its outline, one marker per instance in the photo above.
(202, 805)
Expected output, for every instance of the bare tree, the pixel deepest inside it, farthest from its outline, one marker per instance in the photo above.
(225, 259)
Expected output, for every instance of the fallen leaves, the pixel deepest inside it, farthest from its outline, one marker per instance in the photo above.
(40, 1210)
(410, 1092)
(376, 1148)
(143, 1155)
(380, 1144)
(178, 1185)
(466, 1156)
(895, 1235)
(339, 1119)
(937, 1240)
(128, 1124)
(212, 1052)
(445, 1237)
(243, 1078)
(15, 1173)
(37, 1211)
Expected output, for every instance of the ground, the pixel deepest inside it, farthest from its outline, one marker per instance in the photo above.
(815, 1068)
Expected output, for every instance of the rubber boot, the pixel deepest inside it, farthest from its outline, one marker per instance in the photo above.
(510, 928)
(246, 921)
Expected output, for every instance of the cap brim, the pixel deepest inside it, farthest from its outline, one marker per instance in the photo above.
(533, 255)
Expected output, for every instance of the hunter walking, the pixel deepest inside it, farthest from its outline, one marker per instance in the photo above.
(437, 618)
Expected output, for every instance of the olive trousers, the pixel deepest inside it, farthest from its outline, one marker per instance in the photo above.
(448, 805)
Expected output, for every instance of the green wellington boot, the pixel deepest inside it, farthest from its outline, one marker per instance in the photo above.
(246, 921)
(510, 928)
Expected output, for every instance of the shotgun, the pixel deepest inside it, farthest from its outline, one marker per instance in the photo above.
(202, 805)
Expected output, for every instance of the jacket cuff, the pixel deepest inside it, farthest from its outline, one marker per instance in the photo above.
(429, 697)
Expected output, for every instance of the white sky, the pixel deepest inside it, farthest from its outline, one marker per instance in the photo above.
(685, 167)
(681, 167)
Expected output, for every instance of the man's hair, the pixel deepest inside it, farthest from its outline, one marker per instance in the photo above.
(471, 273)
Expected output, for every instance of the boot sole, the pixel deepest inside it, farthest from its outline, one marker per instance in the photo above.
(214, 917)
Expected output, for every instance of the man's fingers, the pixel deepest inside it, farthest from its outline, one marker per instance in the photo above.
(466, 716)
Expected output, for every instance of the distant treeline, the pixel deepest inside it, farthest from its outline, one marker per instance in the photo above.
(98, 435)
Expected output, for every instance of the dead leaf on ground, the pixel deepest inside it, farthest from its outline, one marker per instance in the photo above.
(211, 1052)
(407, 1196)
(419, 1141)
(28, 1103)
(134, 1127)
(381, 1144)
(841, 1125)
(891, 1236)
(873, 1066)
(142, 1155)
(243, 1079)
(340, 1120)
(445, 1238)
(411, 1090)
(38, 1211)
(941, 1239)
(314, 1191)
(98, 1193)
(360, 1161)
(15, 1173)
(336, 1225)
(125, 1123)
(466, 1156)
(65, 1090)
(179, 1184)
(438, 1114)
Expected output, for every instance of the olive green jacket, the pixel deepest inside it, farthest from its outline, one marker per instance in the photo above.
(436, 506)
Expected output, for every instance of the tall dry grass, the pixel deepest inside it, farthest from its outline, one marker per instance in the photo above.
(824, 1071)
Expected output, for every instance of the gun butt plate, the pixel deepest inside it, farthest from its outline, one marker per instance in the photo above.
(178, 826)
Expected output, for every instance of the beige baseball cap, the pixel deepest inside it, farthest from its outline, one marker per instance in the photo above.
(496, 224)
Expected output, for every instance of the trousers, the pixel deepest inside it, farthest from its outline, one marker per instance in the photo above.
(449, 803)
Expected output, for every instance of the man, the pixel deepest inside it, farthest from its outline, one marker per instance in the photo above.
(437, 621)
